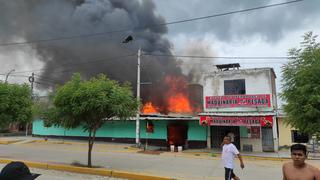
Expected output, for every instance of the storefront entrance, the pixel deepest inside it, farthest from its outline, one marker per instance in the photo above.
(177, 134)
(267, 139)
(218, 133)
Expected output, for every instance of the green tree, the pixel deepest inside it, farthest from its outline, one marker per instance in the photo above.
(89, 104)
(15, 104)
(301, 86)
(41, 105)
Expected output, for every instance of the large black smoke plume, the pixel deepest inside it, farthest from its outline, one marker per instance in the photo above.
(90, 55)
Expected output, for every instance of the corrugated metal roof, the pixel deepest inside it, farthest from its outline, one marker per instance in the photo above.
(161, 117)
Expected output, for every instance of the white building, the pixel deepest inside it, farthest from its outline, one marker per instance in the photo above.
(241, 103)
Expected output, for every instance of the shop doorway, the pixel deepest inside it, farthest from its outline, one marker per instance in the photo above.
(218, 133)
(267, 139)
(177, 134)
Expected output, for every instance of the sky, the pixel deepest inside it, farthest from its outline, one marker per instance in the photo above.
(269, 32)
(264, 32)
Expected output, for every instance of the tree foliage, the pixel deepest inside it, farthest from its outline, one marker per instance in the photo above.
(89, 104)
(15, 104)
(301, 86)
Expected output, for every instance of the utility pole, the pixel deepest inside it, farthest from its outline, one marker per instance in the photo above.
(31, 80)
(138, 143)
(8, 75)
(138, 99)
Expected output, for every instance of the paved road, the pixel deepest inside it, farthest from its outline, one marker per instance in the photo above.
(165, 164)
(58, 175)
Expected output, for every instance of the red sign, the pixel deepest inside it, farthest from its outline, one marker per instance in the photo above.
(255, 132)
(236, 121)
(261, 100)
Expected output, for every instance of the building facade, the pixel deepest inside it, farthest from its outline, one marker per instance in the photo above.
(241, 103)
(287, 134)
(166, 131)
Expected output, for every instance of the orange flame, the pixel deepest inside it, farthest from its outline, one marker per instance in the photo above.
(178, 100)
(148, 108)
(179, 103)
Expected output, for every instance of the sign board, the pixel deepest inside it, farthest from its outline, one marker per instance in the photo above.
(265, 121)
(257, 100)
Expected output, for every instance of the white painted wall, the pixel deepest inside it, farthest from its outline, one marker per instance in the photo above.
(255, 142)
(257, 81)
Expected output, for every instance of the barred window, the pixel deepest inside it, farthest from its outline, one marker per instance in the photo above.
(232, 87)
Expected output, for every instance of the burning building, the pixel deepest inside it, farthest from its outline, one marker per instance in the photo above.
(237, 102)
(166, 120)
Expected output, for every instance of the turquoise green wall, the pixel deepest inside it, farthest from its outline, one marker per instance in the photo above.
(159, 130)
(117, 129)
(110, 129)
(123, 129)
(196, 132)
(243, 131)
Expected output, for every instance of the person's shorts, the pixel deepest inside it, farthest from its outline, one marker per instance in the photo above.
(228, 173)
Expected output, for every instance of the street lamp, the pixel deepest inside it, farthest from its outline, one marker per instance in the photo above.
(8, 75)
(138, 143)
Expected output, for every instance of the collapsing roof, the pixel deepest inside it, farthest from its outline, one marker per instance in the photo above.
(167, 117)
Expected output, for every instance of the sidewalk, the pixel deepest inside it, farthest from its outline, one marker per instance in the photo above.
(282, 154)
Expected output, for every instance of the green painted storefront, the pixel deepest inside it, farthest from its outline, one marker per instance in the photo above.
(114, 130)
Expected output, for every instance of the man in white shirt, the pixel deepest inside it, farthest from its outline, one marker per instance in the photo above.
(229, 151)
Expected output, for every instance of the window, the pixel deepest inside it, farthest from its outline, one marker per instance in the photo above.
(232, 87)
(299, 137)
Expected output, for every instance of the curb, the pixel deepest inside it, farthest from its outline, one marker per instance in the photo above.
(90, 171)
(201, 154)
(81, 143)
(6, 142)
(266, 158)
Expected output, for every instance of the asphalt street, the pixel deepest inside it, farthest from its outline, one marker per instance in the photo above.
(165, 164)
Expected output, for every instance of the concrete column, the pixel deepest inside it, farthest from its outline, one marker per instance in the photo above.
(275, 134)
(208, 137)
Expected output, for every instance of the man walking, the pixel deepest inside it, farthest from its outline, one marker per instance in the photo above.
(298, 169)
(229, 151)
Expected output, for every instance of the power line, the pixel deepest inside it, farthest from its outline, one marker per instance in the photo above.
(44, 83)
(76, 64)
(232, 12)
(261, 62)
(72, 68)
(219, 57)
(12, 75)
(46, 79)
(141, 28)
(276, 60)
